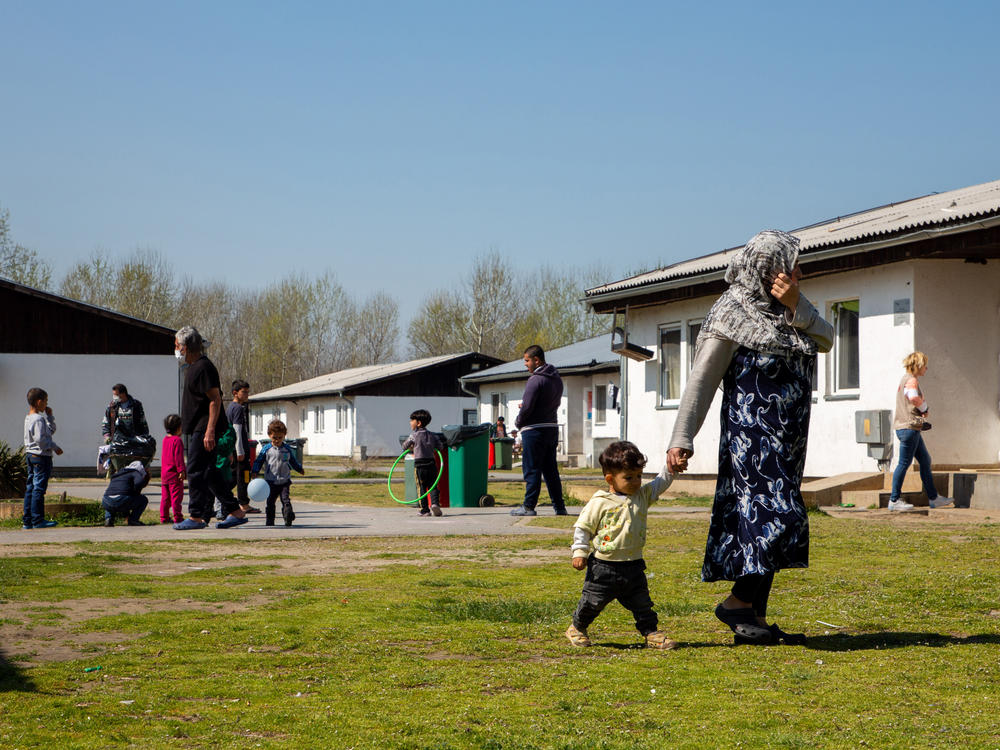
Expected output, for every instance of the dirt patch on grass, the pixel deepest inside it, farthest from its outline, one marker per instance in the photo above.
(46, 643)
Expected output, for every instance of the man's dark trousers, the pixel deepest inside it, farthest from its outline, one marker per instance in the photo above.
(205, 482)
(538, 461)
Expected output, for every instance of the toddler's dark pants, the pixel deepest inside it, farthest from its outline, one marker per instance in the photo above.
(624, 581)
(427, 472)
(275, 491)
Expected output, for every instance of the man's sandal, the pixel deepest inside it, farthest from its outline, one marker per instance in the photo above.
(578, 637)
(658, 639)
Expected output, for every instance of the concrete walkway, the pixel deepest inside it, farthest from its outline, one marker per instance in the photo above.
(313, 520)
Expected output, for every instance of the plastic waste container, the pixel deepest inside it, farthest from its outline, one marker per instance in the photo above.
(294, 444)
(503, 453)
(468, 457)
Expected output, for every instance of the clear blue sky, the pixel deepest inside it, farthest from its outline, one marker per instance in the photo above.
(391, 141)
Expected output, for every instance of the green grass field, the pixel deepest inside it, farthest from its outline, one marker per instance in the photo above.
(456, 642)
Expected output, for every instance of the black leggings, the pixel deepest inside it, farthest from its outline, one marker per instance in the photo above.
(756, 589)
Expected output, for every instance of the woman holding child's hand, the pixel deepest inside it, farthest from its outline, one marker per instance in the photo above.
(760, 341)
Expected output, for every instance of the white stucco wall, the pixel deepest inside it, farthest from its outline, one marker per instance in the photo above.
(572, 413)
(373, 421)
(79, 387)
(954, 319)
(961, 337)
(382, 419)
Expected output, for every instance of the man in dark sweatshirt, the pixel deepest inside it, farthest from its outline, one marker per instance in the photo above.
(539, 428)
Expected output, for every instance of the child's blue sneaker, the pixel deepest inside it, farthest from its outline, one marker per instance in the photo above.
(230, 521)
(26, 526)
(188, 524)
(46, 524)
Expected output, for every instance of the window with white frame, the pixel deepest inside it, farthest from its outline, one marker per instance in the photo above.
(258, 422)
(303, 419)
(670, 364)
(694, 328)
(341, 417)
(845, 359)
(319, 419)
(470, 417)
(600, 404)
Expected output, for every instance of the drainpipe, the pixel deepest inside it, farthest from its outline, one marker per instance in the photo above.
(623, 397)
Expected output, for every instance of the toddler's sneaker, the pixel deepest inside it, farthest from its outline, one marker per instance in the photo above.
(941, 501)
(424, 512)
(658, 639)
(900, 505)
(578, 637)
(436, 510)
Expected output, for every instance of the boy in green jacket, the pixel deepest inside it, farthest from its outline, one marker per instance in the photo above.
(614, 523)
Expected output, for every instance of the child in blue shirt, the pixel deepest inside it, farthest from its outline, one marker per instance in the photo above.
(278, 460)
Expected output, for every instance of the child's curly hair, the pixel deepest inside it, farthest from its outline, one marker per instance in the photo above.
(621, 455)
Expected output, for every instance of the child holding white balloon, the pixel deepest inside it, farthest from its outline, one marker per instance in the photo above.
(279, 461)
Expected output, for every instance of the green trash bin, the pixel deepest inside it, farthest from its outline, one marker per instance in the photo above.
(503, 453)
(298, 446)
(468, 453)
(295, 444)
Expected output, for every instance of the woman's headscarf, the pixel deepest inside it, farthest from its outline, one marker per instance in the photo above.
(746, 312)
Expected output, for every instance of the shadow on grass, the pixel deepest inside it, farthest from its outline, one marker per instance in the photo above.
(13, 678)
(866, 641)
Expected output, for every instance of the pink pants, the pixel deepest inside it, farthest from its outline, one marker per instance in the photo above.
(171, 497)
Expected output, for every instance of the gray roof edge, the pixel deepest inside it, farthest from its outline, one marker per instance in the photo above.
(712, 274)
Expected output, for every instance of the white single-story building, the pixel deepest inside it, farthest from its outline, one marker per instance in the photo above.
(589, 417)
(366, 409)
(922, 275)
(76, 352)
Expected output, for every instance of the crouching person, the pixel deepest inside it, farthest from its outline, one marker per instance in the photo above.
(124, 497)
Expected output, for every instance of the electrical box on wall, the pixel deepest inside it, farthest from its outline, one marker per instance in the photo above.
(873, 426)
(874, 429)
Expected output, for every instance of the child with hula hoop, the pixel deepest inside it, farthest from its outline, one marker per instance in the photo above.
(424, 444)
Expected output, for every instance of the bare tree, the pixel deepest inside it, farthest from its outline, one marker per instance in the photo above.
(377, 329)
(18, 263)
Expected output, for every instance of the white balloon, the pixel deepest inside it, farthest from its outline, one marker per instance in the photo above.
(258, 490)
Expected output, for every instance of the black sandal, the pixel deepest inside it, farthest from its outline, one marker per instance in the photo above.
(743, 622)
(788, 639)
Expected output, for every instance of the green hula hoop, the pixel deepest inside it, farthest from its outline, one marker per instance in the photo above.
(411, 502)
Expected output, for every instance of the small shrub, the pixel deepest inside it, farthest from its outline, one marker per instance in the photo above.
(13, 471)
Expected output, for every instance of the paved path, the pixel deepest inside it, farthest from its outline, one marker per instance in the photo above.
(313, 520)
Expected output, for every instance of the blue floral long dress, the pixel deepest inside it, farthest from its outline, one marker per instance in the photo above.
(759, 522)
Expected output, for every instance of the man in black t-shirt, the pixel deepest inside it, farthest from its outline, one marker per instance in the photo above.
(203, 420)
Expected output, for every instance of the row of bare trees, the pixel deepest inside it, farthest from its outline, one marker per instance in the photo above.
(303, 325)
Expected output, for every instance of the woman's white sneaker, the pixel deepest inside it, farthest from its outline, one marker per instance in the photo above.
(940, 501)
(900, 505)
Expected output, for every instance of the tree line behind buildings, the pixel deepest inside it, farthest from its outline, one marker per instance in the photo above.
(302, 326)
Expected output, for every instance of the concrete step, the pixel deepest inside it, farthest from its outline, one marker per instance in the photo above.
(827, 490)
(912, 483)
(880, 498)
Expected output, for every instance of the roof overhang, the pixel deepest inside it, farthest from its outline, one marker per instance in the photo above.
(940, 242)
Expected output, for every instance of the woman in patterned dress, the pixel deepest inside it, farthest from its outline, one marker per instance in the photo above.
(760, 341)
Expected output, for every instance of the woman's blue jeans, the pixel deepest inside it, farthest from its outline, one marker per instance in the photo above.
(911, 445)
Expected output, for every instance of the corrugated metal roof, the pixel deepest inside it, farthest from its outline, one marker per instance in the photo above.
(594, 353)
(953, 206)
(351, 378)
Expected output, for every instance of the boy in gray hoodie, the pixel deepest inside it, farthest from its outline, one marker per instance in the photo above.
(38, 447)
(424, 444)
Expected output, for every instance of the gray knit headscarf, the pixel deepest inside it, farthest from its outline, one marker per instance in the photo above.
(746, 312)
